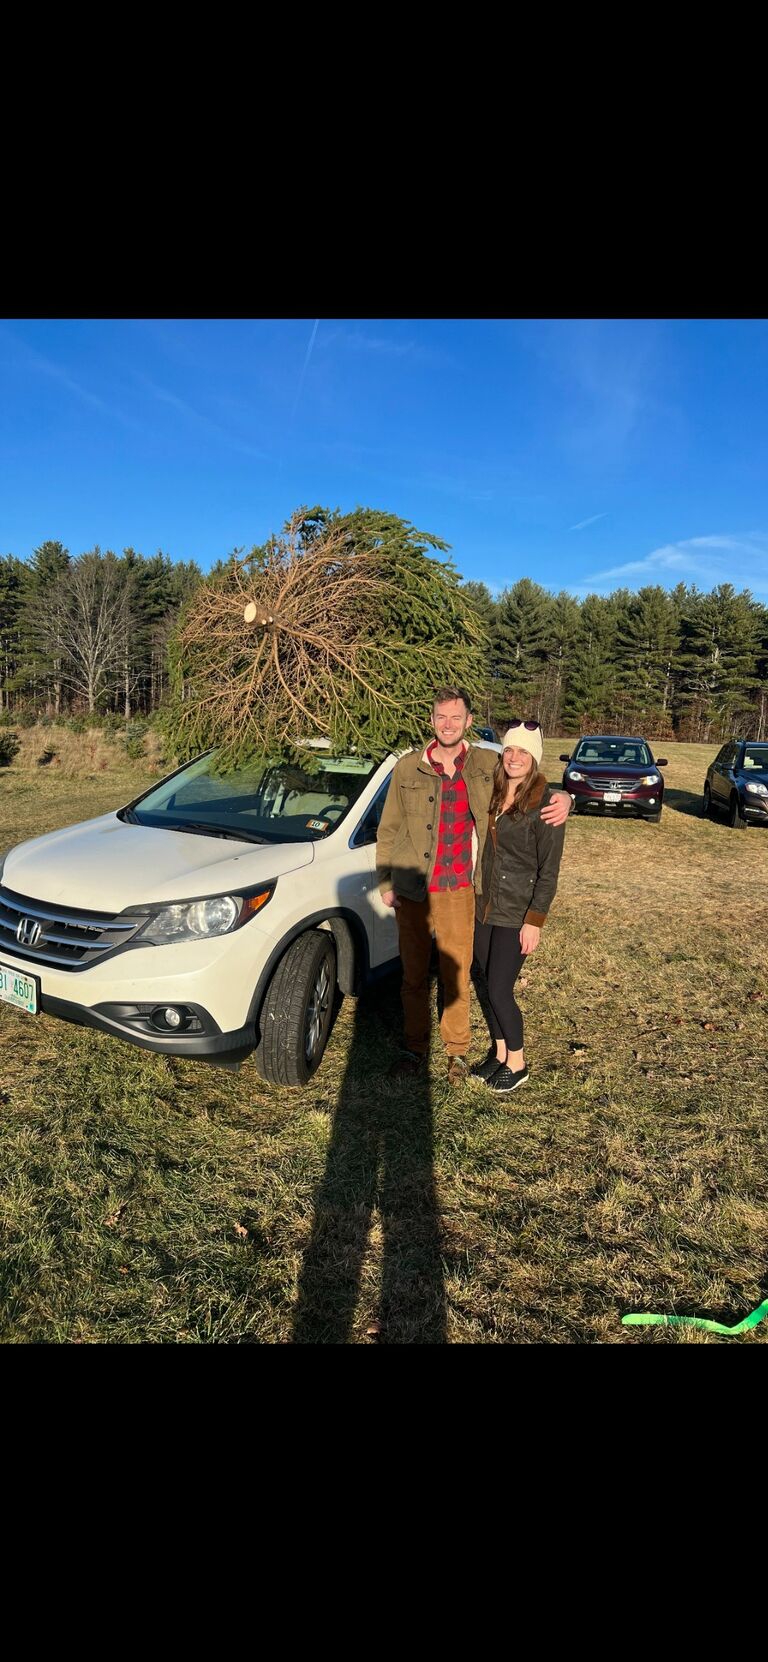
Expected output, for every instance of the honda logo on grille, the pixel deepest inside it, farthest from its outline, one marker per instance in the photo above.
(28, 932)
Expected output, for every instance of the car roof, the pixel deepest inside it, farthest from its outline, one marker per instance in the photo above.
(612, 738)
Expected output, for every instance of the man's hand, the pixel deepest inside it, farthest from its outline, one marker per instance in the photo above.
(557, 811)
(529, 938)
(390, 899)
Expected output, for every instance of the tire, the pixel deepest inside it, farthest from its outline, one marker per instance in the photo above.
(297, 1012)
(653, 819)
(706, 808)
(736, 819)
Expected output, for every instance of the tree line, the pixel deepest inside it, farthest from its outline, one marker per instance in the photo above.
(91, 633)
(675, 663)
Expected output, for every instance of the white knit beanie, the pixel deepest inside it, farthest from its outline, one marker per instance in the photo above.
(525, 738)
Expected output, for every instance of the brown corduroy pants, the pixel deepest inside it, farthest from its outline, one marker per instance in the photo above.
(450, 916)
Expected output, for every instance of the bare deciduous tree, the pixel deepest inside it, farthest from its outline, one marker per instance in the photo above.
(85, 621)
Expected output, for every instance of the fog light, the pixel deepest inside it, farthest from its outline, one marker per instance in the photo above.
(651, 801)
(172, 1017)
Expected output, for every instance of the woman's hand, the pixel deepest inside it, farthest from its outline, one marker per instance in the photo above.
(529, 938)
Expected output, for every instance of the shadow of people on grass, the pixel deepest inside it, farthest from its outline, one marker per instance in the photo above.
(380, 1160)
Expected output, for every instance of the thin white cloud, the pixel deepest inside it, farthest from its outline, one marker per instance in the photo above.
(163, 396)
(307, 357)
(709, 561)
(583, 523)
(360, 342)
(56, 372)
(386, 346)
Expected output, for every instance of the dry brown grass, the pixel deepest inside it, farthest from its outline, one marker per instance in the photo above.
(152, 1200)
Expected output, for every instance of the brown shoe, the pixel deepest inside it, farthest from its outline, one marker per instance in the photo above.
(407, 1065)
(458, 1071)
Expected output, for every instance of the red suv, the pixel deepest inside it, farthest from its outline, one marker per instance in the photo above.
(609, 774)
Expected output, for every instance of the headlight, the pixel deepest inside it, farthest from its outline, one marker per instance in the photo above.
(194, 920)
(572, 774)
(650, 779)
(753, 785)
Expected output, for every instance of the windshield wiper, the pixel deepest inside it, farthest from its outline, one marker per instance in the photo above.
(128, 815)
(207, 830)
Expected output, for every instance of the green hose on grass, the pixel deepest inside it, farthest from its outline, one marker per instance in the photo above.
(751, 1320)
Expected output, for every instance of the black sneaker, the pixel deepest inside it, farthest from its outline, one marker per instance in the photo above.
(505, 1080)
(485, 1069)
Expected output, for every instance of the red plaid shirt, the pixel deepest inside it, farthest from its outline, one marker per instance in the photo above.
(453, 866)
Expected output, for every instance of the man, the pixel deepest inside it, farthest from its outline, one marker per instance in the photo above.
(428, 858)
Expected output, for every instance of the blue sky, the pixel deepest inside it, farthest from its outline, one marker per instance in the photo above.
(586, 454)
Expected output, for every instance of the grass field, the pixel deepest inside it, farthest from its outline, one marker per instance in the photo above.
(153, 1200)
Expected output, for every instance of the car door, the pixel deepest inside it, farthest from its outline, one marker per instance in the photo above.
(381, 923)
(721, 780)
(737, 768)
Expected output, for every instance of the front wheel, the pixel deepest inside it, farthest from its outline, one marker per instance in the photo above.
(653, 819)
(736, 819)
(297, 1012)
(707, 803)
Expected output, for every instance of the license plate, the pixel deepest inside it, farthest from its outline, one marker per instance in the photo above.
(611, 796)
(18, 989)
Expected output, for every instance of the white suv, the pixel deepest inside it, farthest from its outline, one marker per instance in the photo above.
(215, 915)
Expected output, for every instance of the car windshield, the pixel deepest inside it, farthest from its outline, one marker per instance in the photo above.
(756, 756)
(631, 753)
(275, 804)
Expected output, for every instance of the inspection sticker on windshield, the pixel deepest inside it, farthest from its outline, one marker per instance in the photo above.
(18, 989)
(318, 824)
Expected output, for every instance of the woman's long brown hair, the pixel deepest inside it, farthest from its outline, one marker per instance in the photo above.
(523, 792)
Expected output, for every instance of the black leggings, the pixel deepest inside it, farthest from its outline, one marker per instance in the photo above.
(497, 964)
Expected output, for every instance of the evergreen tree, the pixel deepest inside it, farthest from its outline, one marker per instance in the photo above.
(760, 720)
(484, 607)
(14, 672)
(519, 649)
(648, 638)
(562, 636)
(343, 626)
(718, 658)
(591, 697)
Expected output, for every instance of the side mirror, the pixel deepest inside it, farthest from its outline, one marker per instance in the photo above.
(565, 758)
(661, 762)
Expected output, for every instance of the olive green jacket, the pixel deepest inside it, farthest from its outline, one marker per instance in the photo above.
(406, 846)
(520, 865)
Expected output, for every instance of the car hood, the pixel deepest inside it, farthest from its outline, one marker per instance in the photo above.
(612, 770)
(760, 775)
(106, 864)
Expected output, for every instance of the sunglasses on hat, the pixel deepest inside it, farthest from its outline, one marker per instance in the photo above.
(530, 726)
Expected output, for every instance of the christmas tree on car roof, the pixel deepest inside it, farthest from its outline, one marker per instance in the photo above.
(340, 628)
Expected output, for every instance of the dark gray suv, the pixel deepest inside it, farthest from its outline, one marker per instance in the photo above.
(737, 783)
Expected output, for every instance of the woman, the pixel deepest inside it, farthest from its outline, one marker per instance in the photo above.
(521, 860)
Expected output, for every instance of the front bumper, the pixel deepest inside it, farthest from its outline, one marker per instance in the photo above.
(213, 980)
(133, 1023)
(647, 799)
(755, 810)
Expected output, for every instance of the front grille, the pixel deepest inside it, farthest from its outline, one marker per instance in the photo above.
(69, 938)
(613, 784)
